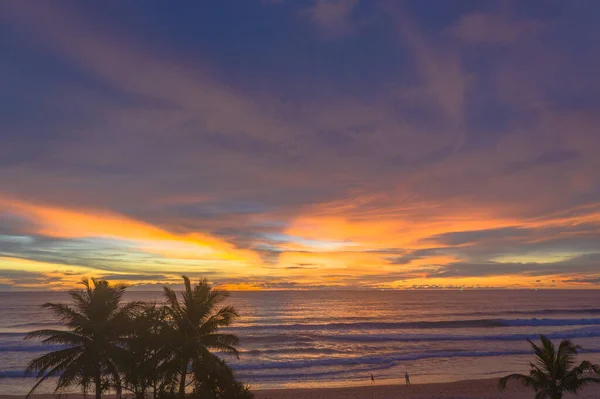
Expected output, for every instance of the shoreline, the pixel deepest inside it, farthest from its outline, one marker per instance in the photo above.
(464, 389)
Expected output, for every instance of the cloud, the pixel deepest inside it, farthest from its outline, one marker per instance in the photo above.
(476, 236)
(414, 255)
(552, 158)
(209, 117)
(332, 17)
(494, 28)
(133, 277)
(22, 278)
(585, 280)
(381, 158)
(15, 225)
(302, 266)
(578, 264)
(439, 66)
(97, 254)
(69, 223)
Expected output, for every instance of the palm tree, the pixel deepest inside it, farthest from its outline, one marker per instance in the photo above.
(148, 345)
(95, 326)
(196, 322)
(552, 375)
(218, 381)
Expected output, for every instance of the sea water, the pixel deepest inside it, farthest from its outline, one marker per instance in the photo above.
(330, 338)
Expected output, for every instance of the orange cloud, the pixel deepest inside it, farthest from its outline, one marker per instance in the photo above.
(417, 189)
(57, 222)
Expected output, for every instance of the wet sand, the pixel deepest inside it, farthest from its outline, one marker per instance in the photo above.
(468, 389)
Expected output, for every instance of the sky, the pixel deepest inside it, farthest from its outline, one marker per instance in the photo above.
(300, 144)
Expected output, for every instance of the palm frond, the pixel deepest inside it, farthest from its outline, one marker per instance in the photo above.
(171, 298)
(222, 342)
(553, 373)
(524, 380)
(57, 337)
(50, 365)
(71, 374)
(223, 318)
(545, 354)
(565, 356)
(574, 386)
(121, 315)
(67, 314)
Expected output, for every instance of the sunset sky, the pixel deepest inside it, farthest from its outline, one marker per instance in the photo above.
(282, 144)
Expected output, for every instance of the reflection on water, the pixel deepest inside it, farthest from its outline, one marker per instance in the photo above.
(307, 338)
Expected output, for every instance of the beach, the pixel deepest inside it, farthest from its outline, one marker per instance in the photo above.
(467, 389)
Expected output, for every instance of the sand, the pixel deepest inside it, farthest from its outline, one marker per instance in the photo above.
(470, 389)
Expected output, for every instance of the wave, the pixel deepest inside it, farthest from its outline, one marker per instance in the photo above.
(368, 361)
(287, 320)
(550, 322)
(322, 367)
(12, 334)
(303, 338)
(529, 312)
(585, 332)
(290, 351)
(274, 339)
(476, 323)
(30, 348)
(376, 360)
(429, 338)
(308, 339)
(14, 374)
(308, 375)
(36, 324)
(378, 325)
(374, 325)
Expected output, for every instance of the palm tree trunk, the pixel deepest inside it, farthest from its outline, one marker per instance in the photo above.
(182, 381)
(98, 382)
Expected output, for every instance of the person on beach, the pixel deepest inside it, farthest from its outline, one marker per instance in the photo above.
(407, 378)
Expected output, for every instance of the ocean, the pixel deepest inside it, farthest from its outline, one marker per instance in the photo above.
(331, 338)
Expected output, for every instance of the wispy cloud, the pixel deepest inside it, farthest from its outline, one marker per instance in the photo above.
(498, 28)
(403, 150)
(333, 18)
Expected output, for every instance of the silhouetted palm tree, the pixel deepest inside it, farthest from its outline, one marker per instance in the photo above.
(95, 326)
(217, 380)
(552, 375)
(148, 343)
(196, 322)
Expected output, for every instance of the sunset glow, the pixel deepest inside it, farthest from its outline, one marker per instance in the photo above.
(371, 146)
